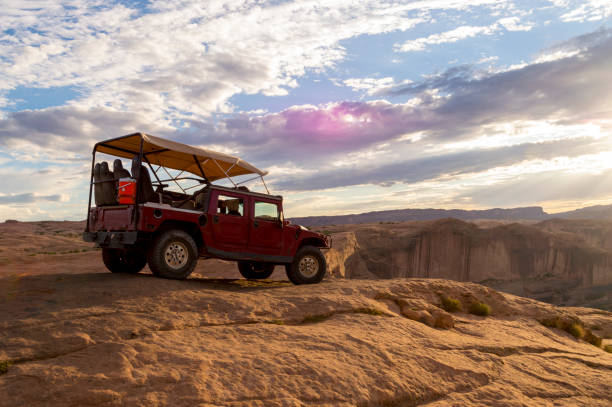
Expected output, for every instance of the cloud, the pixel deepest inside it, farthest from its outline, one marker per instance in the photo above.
(461, 33)
(183, 58)
(373, 86)
(458, 104)
(436, 166)
(68, 129)
(571, 89)
(30, 198)
(589, 10)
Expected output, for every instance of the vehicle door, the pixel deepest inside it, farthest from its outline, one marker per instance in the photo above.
(266, 231)
(230, 225)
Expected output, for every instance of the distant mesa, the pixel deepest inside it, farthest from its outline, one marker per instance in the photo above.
(11, 221)
(535, 213)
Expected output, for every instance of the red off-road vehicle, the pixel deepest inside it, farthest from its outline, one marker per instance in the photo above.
(138, 221)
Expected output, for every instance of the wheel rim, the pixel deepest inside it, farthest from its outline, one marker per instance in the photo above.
(308, 266)
(176, 255)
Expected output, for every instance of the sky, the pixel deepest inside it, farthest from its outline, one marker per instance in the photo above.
(352, 106)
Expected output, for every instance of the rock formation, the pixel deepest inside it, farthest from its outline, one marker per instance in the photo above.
(560, 261)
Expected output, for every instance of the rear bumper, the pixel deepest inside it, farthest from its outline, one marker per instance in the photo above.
(112, 239)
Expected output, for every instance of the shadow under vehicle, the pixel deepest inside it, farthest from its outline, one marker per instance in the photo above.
(137, 221)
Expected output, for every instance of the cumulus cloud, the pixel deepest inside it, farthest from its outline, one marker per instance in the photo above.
(182, 58)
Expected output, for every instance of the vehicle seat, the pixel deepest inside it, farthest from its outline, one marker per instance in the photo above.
(145, 187)
(232, 207)
(119, 171)
(108, 185)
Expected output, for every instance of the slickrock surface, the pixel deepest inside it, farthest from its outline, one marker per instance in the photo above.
(73, 334)
(135, 340)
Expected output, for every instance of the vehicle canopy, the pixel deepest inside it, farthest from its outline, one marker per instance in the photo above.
(208, 164)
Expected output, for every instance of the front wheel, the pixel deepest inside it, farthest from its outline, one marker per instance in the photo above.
(124, 260)
(308, 266)
(255, 270)
(173, 254)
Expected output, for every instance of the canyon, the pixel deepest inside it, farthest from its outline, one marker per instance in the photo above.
(565, 262)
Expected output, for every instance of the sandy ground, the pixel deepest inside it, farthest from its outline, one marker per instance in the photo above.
(77, 335)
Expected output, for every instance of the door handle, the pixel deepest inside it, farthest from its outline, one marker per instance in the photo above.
(255, 224)
(216, 218)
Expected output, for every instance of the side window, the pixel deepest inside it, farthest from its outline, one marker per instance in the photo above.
(229, 205)
(266, 211)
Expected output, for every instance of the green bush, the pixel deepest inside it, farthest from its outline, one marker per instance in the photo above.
(310, 319)
(480, 308)
(552, 323)
(451, 304)
(591, 338)
(4, 365)
(576, 330)
(369, 311)
(608, 348)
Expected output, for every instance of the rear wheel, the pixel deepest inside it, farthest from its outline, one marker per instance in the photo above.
(308, 266)
(255, 270)
(173, 254)
(124, 260)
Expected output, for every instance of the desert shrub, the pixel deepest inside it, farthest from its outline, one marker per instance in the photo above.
(276, 322)
(369, 311)
(576, 330)
(608, 348)
(310, 319)
(480, 308)
(4, 365)
(591, 338)
(552, 323)
(450, 304)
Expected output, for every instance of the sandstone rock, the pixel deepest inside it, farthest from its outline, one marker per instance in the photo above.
(133, 340)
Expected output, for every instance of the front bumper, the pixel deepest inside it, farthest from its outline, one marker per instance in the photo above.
(117, 240)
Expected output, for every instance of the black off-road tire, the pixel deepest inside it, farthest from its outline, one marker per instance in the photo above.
(308, 266)
(254, 270)
(173, 254)
(124, 260)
